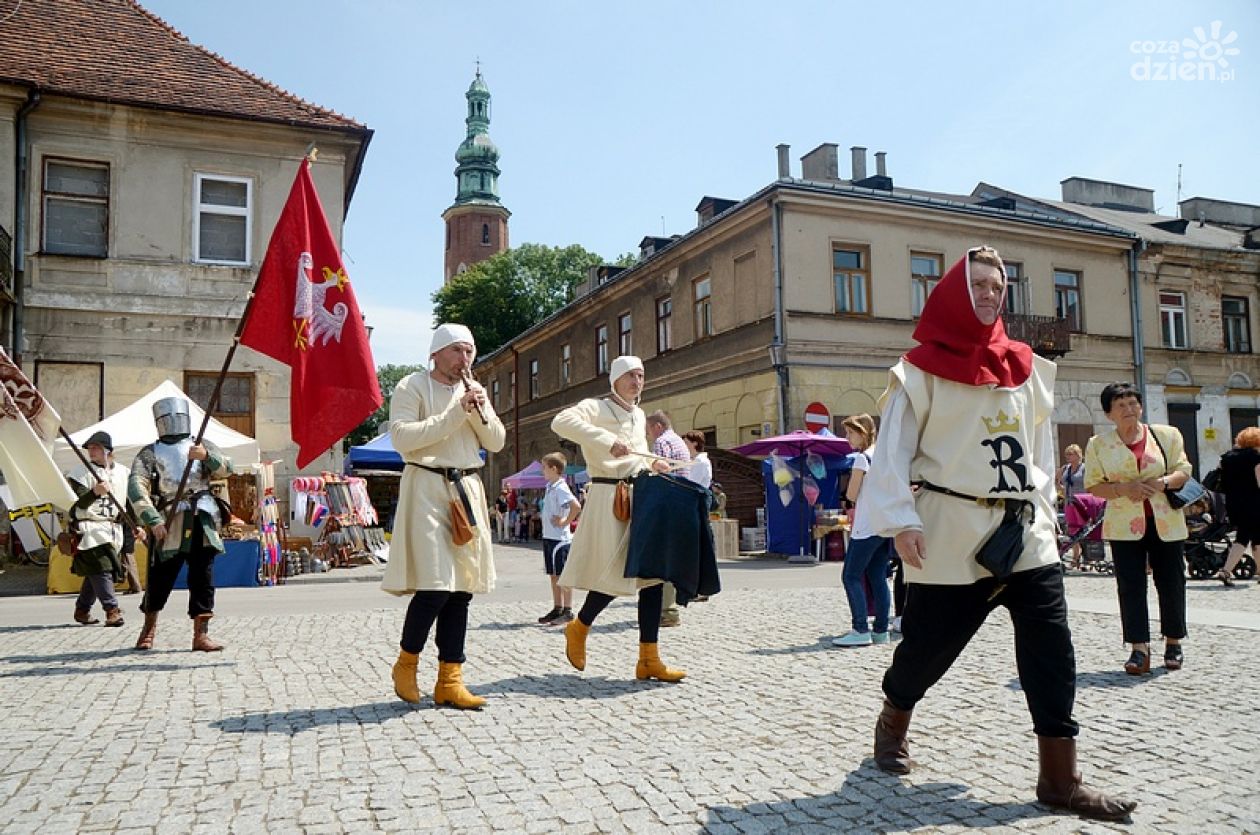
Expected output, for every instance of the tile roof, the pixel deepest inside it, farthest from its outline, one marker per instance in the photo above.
(117, 51)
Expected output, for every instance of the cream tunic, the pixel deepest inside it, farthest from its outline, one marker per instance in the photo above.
(96, 523)
(979, 440)
(422, 555)
(597, 557)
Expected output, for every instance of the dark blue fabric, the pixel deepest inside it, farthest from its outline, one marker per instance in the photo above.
(789, 527)
(670, 537)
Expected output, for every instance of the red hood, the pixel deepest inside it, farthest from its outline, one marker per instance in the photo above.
(954, 344)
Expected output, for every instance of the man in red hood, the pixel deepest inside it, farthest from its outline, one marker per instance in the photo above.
(967, 417)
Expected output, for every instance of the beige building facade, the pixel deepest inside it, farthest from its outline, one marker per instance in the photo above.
(807, 292)
(139, 224)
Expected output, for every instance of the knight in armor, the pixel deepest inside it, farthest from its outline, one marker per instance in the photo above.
(967, 417)
(192, 537)
(96, 519)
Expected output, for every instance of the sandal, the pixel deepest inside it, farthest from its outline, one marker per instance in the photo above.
(1173, 657)
(1139, 663)
(1224, 577)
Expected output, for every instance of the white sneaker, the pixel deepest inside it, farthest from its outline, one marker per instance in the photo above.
(853, 639)
(895, 624)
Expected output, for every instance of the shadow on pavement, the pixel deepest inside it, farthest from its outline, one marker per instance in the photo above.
(568, 685)
(824, 644)
(871, 801)
(40, 672)
(88, 655)
(292, 722)
(1116, 678)
(33, 628)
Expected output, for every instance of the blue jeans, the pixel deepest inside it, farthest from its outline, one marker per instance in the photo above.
(868, 558)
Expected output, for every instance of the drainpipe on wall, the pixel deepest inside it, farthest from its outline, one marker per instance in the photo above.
(516, 409)
(19, 224)
(1135, 314)
(778, 350)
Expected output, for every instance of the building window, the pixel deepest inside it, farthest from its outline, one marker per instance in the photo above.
(566, 365)
(625, 346)
(1067, 297)
(852, 279)
(222, 219)
(76, 208)
(511, 388)
(1172, 319)
(235, 408)
(494, 393)
(601, 349)
(925, 272)
(533, 379)
(664, 324)
(485, 233)
(701, 290)
(1017, 301)
(1236, 320)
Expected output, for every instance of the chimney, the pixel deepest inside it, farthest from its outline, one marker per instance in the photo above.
(1241, 216)
(859, 162)
(822, 163)
(1086, 192)
(881, 169)
(785, 163)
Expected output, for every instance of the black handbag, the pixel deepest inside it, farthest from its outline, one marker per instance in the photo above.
(1188, 493)
(1003, 548)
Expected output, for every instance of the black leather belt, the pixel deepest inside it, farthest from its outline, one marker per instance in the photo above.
(983, 501)
(607, 480)
(455, 476)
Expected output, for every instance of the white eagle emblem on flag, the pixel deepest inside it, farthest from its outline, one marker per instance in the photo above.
(314, 324)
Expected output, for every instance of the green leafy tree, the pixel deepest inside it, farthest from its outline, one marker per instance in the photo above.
(388, 376)
(508, 293)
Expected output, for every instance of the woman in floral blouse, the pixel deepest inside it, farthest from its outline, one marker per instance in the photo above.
(1133, 468)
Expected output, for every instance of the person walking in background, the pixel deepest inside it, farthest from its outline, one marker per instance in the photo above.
(701, 469)
(440, 559)
(559, 510)
(98, 520)
(967, 415)
(1071, 481)
(610, 431)
(667, 444)
(1133, 467)
(1240, 482)
(501, 516)
(866, 560)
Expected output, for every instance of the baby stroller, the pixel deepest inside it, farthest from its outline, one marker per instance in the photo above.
(1083, 518)
(1209, 540)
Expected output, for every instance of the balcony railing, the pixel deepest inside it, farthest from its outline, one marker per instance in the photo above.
(1049, 336)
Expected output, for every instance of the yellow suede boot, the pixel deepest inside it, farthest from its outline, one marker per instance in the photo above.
(651, 666)
(405, 686)
(450, 689)
(575, 633)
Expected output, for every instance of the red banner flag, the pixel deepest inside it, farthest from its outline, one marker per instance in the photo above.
(304, 314)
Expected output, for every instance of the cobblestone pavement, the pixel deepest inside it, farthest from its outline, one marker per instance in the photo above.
(294, 728)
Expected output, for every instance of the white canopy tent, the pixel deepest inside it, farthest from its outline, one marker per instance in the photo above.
(131, 428)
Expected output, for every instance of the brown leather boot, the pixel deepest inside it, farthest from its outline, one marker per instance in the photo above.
(575, 633)
(1059, 784)
(651, 666)
(892, 748)
(147, 632)
(84, 616)
(201, 635)
(405, 686)
(450, 689)
(113, 617)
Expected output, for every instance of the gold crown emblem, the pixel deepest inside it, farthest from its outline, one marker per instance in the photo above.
(1001, 423)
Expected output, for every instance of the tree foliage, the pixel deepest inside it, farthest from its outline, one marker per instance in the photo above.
(388, 376)
(506, 294)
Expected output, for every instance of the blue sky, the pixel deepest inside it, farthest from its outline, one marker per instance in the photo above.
(612, 117)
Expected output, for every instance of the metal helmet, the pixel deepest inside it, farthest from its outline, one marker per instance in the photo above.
(171, 416)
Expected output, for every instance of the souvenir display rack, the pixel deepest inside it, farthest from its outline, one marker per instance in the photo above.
(339, 508)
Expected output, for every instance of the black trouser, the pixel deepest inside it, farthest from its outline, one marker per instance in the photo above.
(899, 587)
(450, 610)
(163, 572)
(650, 599)
(1168, 569)
(941, 620)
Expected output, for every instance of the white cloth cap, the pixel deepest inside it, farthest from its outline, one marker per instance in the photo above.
(621, 365)
(448, 334)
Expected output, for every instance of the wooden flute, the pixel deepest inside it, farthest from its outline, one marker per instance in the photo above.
(468, 378)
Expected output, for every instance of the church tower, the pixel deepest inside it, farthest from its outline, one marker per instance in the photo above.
(476, 223)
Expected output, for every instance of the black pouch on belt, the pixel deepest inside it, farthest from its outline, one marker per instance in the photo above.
(1003, 548)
